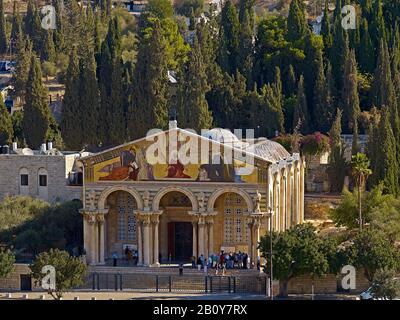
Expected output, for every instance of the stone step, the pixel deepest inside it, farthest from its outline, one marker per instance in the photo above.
(169, 270)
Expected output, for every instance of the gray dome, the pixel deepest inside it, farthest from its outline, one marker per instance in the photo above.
(269, 150)
(224, 136)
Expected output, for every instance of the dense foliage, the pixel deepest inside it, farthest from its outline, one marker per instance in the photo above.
(31, 226)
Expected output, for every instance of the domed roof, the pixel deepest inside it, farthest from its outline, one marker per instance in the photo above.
(223, 136)
(269, 150)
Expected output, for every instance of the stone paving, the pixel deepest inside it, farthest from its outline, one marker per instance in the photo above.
(126, 295)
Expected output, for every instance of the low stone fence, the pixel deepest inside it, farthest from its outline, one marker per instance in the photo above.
(241, 282)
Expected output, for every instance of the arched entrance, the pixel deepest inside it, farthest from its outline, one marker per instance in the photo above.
(176, 230)
(232, 233)
(120, 224)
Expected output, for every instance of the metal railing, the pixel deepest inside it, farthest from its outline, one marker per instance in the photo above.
(176, 283)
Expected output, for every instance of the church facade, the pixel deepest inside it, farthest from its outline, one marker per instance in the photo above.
(146, 195)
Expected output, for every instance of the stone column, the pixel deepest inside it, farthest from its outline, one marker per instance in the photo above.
(139, 240)
(194, 224)
(100, 222)
(302, 167)
(250, 244)
(201, 237)
(257, 225)
(211, 236)
(146, 241)
(155, 241)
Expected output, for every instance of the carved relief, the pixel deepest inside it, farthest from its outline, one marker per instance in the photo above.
(257, 202)
(92, 199)
(146, 200)
(201, 201)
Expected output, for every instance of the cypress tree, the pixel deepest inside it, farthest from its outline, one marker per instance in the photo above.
(301, 114)
(378, 24)
(338, 53)
(112, 124)
(117, 123)
(388, 171)
(71, 126)
(382, 90)
(89, 100)
(36, 111)
(337, 163)
(355, 147)
(6, 127)
(3, 35)
(194, 112)
(274, 101)
(323, 112)
(366, 52)
(33, 26)
(23, 61)
(337, 14)
(48, 50)
(229, 32)
(150, 98)
(59, 33)
(350, 99)
(326, 31)
(246, 48)
(16, 28)
(296, 23)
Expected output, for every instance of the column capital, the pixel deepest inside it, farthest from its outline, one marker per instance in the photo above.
(91, 216)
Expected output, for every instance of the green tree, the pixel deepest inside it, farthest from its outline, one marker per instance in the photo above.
(7, 260)
(16, 28)
(3, 34)
(89, 100)
(350, 99)
(36, 111)
(337, 163)
(194, 112)
(346, 214)
(378, 24)
(6, 128)
(385, 284)
(229, 32)
(366, 56)
(151, 94)
(48, 52)
(360, 168)
(160, 8)
(297, 251)
(323, 104)
(301, 114)
(71, 126)
(326, 31)
(23, 61)
(70, 271)
(385, 162)
(297, 26)
(372, 251)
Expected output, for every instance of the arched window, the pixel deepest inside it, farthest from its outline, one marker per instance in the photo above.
(235, 228)
(42, 181)
(23, 181)
(126, 205)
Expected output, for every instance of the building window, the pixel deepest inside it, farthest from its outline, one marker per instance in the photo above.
(235, 228)
(24, 180)
(42, 180)
(126, 205)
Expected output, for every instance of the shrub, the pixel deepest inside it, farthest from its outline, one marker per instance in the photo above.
(314, 144)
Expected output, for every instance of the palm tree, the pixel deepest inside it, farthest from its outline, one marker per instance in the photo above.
(360, 169)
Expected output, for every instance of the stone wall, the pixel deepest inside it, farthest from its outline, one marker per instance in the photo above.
(57, 189)
(325, 285)
(13, 281)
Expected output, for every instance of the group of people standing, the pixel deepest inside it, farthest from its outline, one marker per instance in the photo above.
(236, 260)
